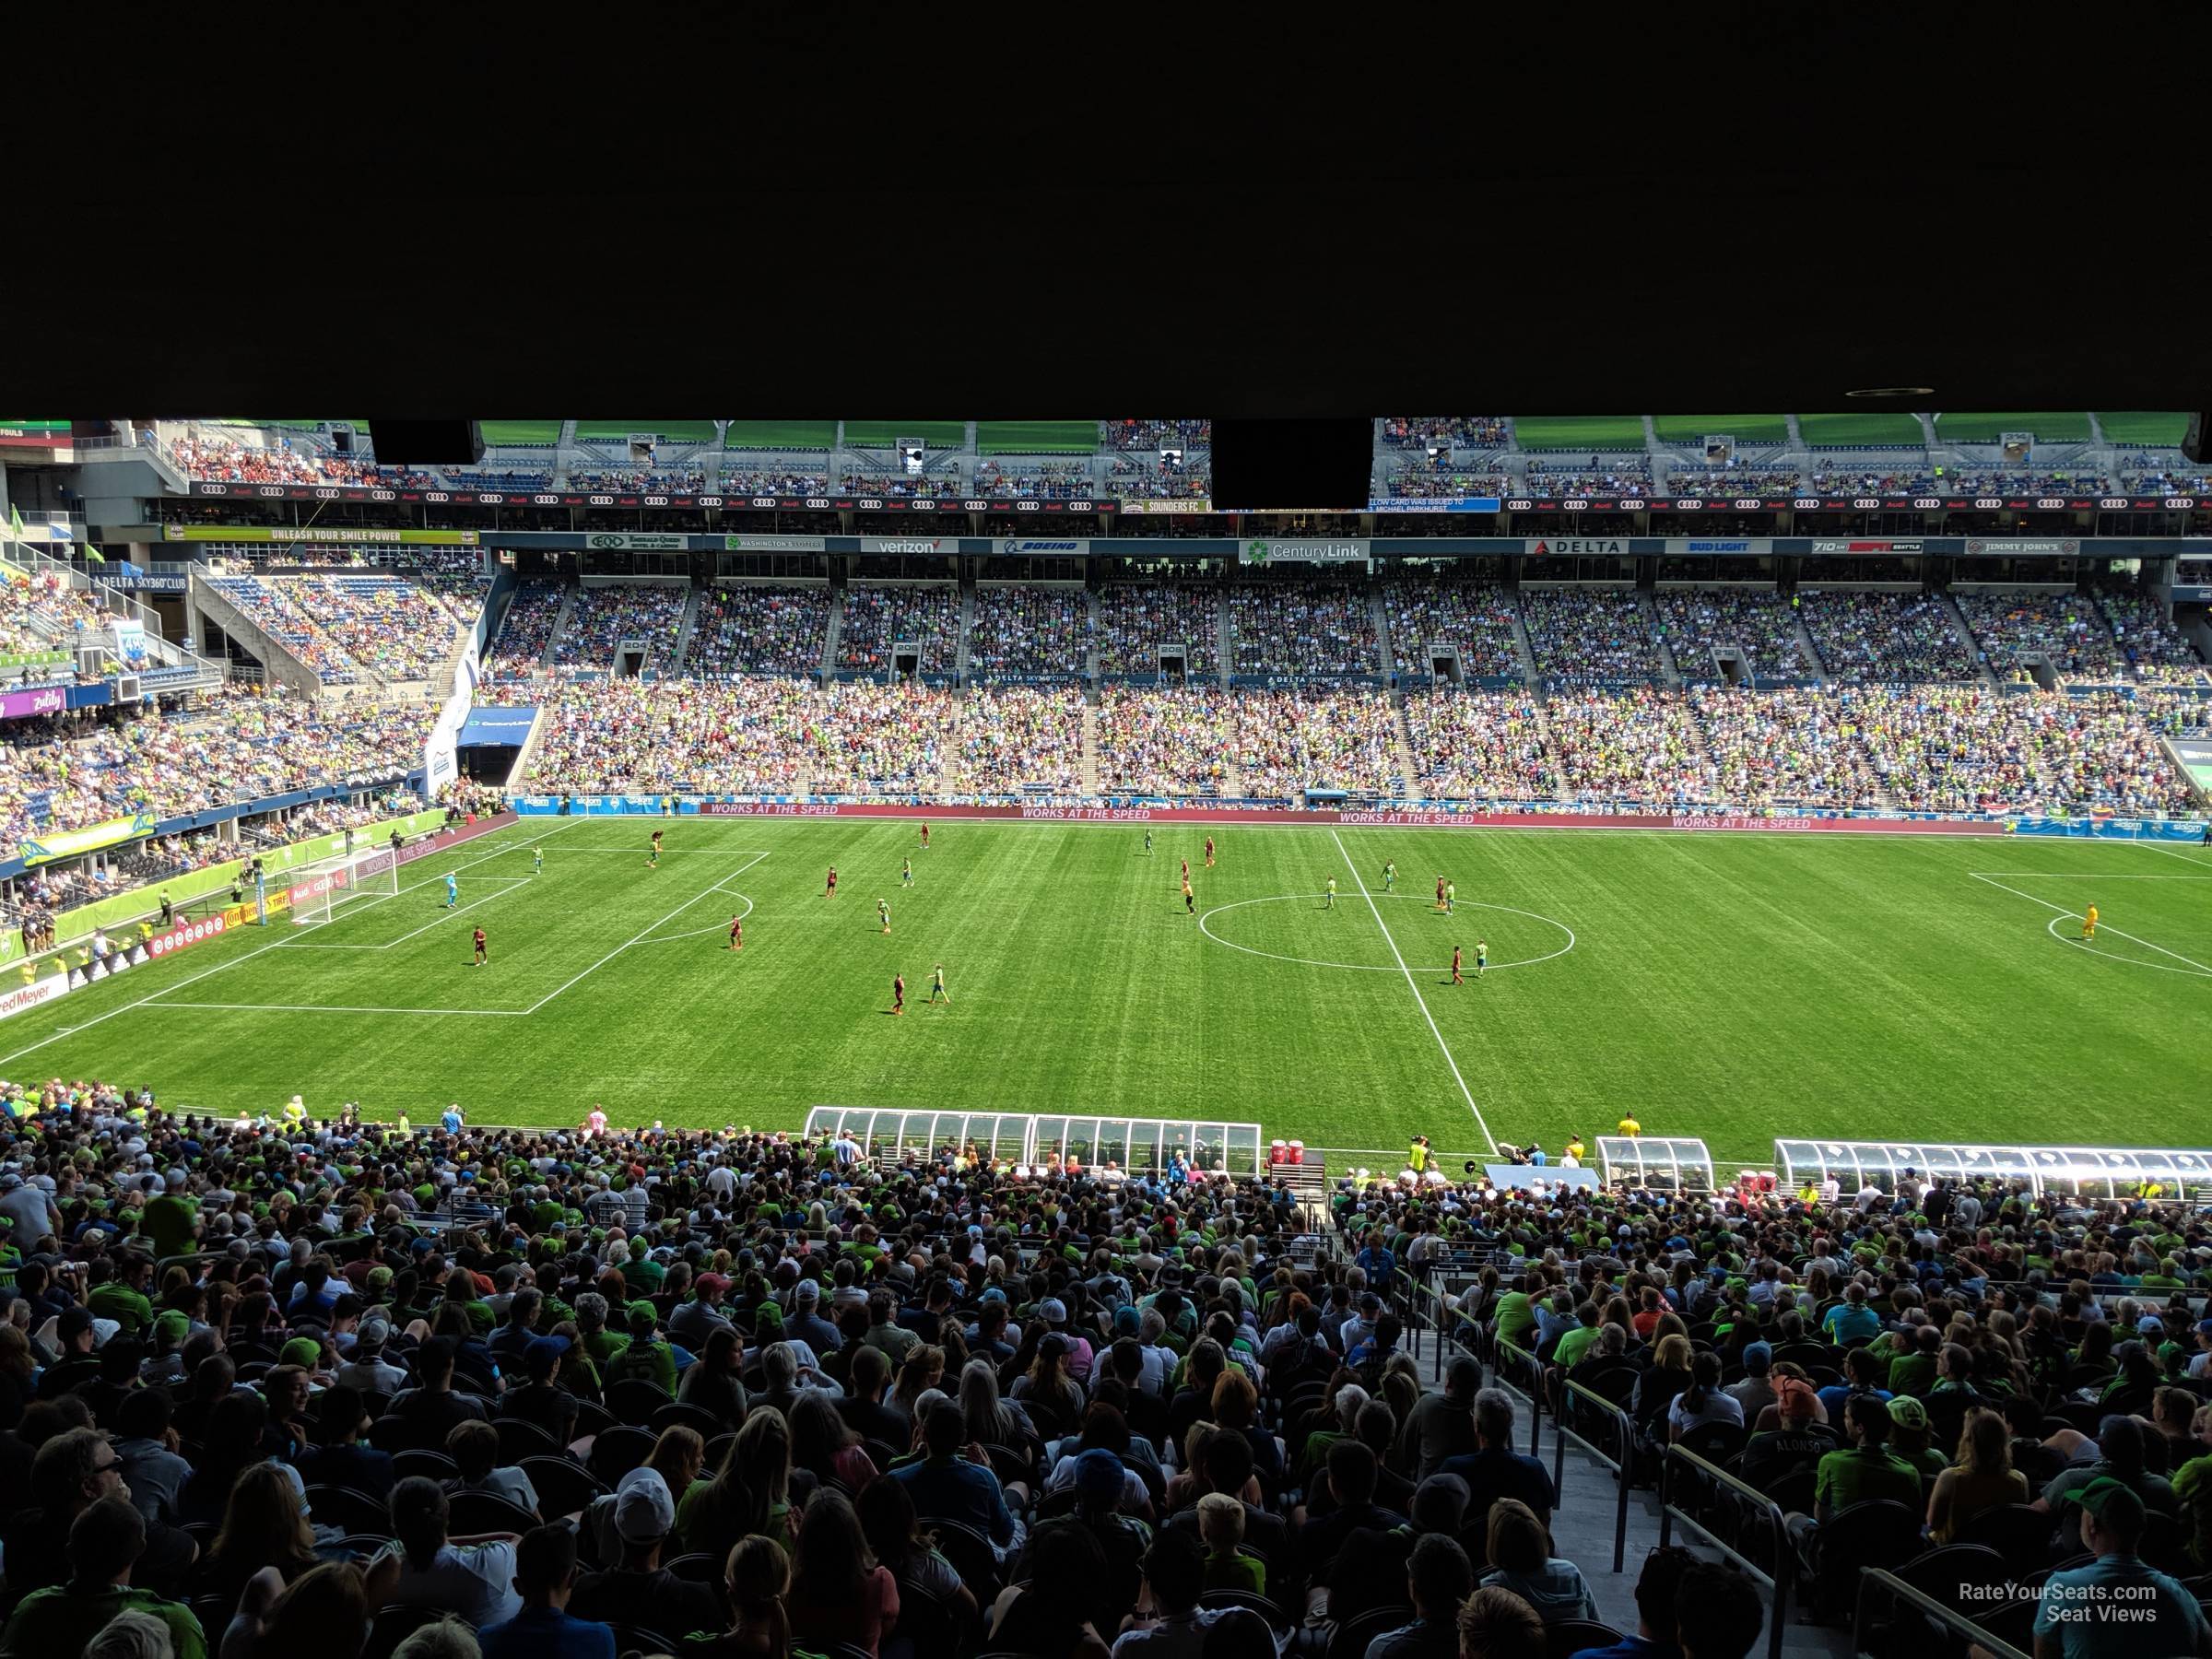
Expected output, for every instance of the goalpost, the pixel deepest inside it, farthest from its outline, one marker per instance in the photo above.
(321, 891)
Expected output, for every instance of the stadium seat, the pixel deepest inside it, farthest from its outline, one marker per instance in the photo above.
(518, 1439)
(928, 1622)
(681, 1414)
(634, 1400)
(617, 1450)
(970, 1553)
(347, 1510)
(472, 1512)
(1349, 1640)
(419, 1460)
(2018, 1532)
(1565, 1637)
(563, 1485)
(394, 1625)
(1278, 1616)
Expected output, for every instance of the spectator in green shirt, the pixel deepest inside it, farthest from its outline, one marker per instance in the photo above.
(171, 1220)
(123, 1297)
(1913, 1371)
(1867, 1469)
(105, 1542)
(641, 1273)
(1517, 1315)
(1576, 1343)
(643, 1355)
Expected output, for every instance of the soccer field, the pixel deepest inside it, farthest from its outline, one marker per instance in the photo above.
(1733, 987)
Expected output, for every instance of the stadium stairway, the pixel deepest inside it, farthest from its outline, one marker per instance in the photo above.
(1966, 634)
(683, 633)
(1583, 1526)
(1529, 677)
(1805, 646)
(1401, 739)
(1797, 434)
(1224, 638)
(959, 661)
(1669, 669)
(1091, 738)
(1091, 669)
(568, 609)
(831, 633)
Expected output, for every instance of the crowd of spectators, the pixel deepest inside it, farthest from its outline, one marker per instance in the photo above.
(527, 631)
(1697, 623)
(2018, 483)
(387, 625)
(650, 615)
(732, 736)
(1597, 483)
(1030, 629)
(273, 609)
(1598, 639)
(774, 481)
(1157, 480)
(1315, 738)
(1790, 747)
(1767, 484)
(216, 458)
(1165, 740)
(1455, 432)
(1626, 746)
(878, 616)
(1135, 622)
(1476, 621)
(1873, 481)
(2065, 629)
(66, 772)
(901, 487)
(41, 613)
(505, 481)
(742, 629)
(633, 480)
(1479, 746)
(1309, 628)
(1040, 480)
(2164, 483)
(1151, 434)
(1871, 638)
(2157, 653)
(1005, 739)
(1422, 482)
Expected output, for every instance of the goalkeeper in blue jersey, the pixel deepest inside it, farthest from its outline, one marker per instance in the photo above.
(453, 889)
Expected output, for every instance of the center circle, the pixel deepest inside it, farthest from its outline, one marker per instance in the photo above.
(693, 933)
(1389, 967)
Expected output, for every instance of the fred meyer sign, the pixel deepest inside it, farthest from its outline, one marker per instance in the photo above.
(1259, 552)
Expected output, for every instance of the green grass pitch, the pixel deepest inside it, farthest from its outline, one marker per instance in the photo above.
(1733, 987)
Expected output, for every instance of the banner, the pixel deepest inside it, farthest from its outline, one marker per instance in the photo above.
(1144, 504)
(2020, 545)
(314, 886)
(1433, 504)
(497, 727)
(32, 995)
(1325, 551)
(1014, 547)
(132, 579)
(925, 546)
(1872, 545)
(1756, 547)
(838, 500)
(68, 843)
(185, 934)
(618, 541)
(771, 544)
(333, 533)
(46, 699)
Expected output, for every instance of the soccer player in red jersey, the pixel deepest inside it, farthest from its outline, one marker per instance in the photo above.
(483, 955)
(1440, 892)
(736, 933)
(1456, 979)
(831, 891)
(1209, 851)
(898, 994)
(925, 838)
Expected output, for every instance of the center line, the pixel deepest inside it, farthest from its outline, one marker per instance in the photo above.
(1488, 1140)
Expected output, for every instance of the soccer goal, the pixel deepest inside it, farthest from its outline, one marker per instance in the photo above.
(324, 889)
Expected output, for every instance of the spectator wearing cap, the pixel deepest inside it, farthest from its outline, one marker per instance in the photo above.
(105, 1544)
(694, 1320)
(1101, 1484)
(1755, 1391)
(806, 1322)
(341, 1460)
(544, 1576)
(2120, 1456)
(366, 1369)
(32, 1210)
(1361, 1325)
(473, 1577)
(1080, 1355)
(541, 1399)
(637, 1590)
(644, 1355)
(2076, 1619)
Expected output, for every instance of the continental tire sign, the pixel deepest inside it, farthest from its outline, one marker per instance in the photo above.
(609, 541)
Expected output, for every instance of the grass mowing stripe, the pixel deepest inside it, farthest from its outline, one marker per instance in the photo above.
(617, 950)
(2116, 932)
(1420, 1001)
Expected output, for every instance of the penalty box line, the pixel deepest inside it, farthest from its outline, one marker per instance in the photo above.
(507, 886)
(193, 978)
(1420, 1001)
(2115, 932)
(639, 937)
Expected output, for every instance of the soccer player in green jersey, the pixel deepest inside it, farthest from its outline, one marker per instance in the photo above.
(936, 986)
(654, 862)
(883, 909)
(1147, 841)
(906, 872)
(1331, 904)
(1390, 874)
(537, 861)
(1482, 956)
(1451, 896)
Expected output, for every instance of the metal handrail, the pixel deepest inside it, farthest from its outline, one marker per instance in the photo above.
(1778, 1581)
(1876, 1579)
(1625, 1427)
(1534, 1390)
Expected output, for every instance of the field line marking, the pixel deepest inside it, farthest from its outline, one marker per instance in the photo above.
(706, 893)
(1420, 1001)
(2170, 853)
(340, 1009)
(416, 887)
(2115, 932)
(2087, 876)
(165, 990)
(508, 885)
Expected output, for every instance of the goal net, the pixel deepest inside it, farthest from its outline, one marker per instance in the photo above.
(324, 889)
